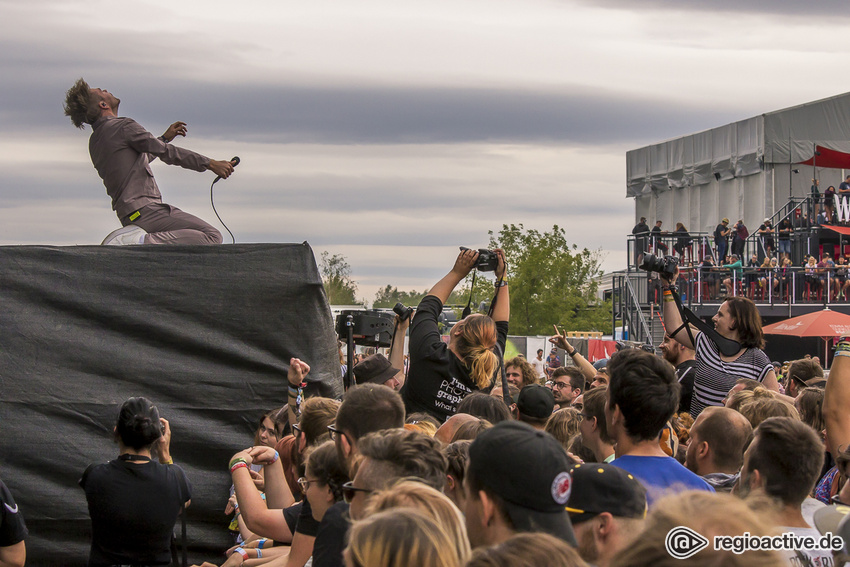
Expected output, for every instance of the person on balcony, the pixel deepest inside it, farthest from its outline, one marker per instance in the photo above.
(740, 238)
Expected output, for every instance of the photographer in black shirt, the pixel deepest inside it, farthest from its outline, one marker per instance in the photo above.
(441, 375)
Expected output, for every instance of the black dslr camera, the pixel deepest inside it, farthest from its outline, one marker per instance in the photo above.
(666, 265)
(403, 311)
(488, 260)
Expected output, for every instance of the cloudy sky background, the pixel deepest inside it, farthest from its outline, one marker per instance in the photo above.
(393, 131)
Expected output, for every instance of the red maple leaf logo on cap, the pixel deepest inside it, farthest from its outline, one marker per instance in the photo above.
(561, 487)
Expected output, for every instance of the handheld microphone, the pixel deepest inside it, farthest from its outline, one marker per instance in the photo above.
(235, 161)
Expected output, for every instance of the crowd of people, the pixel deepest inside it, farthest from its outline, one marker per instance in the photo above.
(769, 274)
(471, 460)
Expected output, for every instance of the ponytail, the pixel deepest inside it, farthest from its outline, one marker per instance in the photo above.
(474, 345)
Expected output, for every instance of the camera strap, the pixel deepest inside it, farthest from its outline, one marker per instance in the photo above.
(727, 347)
(468, 309)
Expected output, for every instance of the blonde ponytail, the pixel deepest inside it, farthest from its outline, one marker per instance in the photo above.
(474, 343)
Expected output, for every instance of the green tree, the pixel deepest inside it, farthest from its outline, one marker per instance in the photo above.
(388, 296)
(336, 277)
(550, 282)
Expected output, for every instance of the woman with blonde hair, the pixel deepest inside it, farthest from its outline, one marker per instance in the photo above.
(441, 375)
(432, 503)
(527, 550)
(563, 425)
(402, 537)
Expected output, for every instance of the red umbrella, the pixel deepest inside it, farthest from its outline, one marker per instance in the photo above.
(825, 324)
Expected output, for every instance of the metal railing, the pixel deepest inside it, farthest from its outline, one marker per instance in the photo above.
(627, 307)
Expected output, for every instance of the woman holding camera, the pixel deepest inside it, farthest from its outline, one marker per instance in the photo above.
(441, 375)
(737, 319)
(133, 501)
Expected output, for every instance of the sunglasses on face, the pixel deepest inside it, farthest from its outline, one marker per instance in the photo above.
(349, 491)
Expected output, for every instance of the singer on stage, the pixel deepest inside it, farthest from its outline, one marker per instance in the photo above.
(121, 151)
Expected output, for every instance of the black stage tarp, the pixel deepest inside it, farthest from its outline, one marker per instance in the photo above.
(205, 332)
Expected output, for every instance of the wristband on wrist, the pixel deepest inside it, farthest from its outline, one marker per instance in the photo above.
(241, 552)
(261, 542)
(501, 283)
(572, 354)
(243, 464)
(259, 553)
(842, 353)
(276, 457)
(237, 460)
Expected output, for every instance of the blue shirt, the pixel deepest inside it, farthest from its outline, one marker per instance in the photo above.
(661, 475)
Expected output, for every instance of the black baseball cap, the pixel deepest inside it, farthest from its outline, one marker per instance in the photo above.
(536, 401)
(529, 471)
(600, 487)
(376, 369)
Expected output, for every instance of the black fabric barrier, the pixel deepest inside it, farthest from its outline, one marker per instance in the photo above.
(205, 332)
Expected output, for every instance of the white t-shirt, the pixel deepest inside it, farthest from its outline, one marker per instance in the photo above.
(539, 366)
(816, 558)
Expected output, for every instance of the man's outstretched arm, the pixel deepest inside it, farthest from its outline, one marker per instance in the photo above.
(144, 142)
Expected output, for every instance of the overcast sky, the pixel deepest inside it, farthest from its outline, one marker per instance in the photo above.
(394, 131)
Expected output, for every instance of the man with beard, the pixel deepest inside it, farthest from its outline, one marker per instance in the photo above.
(682, 358)
(716, 444)
(121, 151)
(567, 385)
(784, 461)
(607, 507)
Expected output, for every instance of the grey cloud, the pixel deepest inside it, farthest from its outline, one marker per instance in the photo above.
(345, 113)
(832, 8)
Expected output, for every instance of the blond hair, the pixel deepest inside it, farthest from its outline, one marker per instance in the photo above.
(527, 550)
(759, 410)
(563, 425)
(709, 515)
(477, 335)
(431, 502)
(401, 537)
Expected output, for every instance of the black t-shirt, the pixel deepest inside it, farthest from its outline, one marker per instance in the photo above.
(12, 527)
(291, 515)
(307, 524)
(133, 508)
(785, 225)
(686, 372)
(718, 234)
(437, 380)
(768, 236)
(332, 536)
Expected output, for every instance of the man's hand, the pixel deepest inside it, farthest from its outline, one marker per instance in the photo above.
(560, 340)
(670, 279)
(221, 168)
(176, 129)
(298, 370)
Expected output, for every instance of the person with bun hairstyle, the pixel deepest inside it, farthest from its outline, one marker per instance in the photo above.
(441, 375)
(134, 502)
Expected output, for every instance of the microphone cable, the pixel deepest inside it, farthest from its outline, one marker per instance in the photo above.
(235, 161)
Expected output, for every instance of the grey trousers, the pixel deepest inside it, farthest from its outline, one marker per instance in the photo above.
(169, 225)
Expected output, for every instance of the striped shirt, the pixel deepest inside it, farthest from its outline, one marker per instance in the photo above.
(715, 377)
